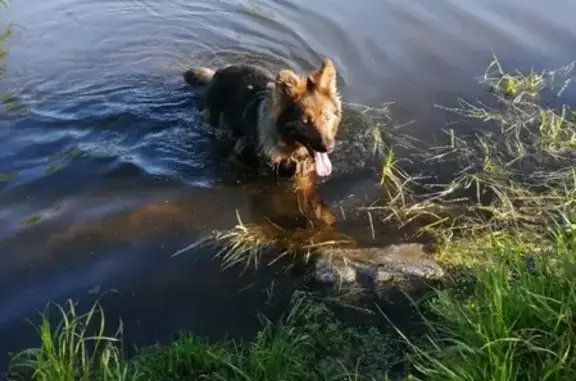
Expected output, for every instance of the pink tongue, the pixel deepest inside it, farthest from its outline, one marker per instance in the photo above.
(322, 164)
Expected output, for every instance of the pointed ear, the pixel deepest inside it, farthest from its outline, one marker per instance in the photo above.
(288, 83)
(325, 77)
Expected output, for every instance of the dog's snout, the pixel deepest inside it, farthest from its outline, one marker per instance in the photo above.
(329, 144)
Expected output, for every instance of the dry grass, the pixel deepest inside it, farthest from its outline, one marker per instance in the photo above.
(247, 243)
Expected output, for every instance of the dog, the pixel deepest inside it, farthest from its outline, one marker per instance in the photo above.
(288, 121)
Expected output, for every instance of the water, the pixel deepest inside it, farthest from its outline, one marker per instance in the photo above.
(109, 170)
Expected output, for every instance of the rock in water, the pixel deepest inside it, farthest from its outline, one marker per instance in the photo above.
(377, 265)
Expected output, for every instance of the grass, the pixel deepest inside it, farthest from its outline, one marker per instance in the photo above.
(69, 353)
(308, 344)
(247, 243)
(516, 324)
(9, 99)
(514, 174)
(512, 316)
(504, 223)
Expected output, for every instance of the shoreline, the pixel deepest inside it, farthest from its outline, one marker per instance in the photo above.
(504, 310)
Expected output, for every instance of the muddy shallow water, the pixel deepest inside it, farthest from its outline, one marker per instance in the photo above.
(107, 168)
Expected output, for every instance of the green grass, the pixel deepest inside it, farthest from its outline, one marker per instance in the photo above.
(505, 226)
(517, 323)
(308, 344)
(513, 320)
(70, 352)
(510, 314)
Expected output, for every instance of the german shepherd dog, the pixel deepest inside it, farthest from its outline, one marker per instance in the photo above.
(288, 121)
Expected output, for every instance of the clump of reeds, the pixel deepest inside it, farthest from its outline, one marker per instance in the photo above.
(519, 175)
(75, 349)
(248, 243)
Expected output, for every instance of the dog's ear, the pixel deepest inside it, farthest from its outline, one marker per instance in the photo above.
(325, 77)
(289, 83)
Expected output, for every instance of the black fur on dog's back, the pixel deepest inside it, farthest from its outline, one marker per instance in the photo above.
(234, 94)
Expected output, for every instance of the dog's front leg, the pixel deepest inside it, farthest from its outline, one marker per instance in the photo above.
(238, 153)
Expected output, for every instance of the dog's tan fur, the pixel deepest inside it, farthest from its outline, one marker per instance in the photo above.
(314, 96)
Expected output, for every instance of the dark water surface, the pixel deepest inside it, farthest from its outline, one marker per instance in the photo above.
(109, 170)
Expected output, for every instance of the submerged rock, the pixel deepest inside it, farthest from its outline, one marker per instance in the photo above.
(377, 265)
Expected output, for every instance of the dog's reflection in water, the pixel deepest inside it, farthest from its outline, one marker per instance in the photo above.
(290, 205)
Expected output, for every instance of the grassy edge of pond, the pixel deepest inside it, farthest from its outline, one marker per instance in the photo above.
(506, 313)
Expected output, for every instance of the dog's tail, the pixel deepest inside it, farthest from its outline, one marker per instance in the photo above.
(198, 76)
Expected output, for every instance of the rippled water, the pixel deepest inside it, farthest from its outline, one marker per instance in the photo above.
(107, 168)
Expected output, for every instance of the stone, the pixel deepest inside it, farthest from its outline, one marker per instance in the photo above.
(377, 264)
(330, 271)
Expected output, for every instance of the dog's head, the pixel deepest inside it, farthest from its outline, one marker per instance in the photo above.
(308, 111)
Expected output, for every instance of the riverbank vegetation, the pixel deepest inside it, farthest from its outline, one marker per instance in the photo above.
(504, 224)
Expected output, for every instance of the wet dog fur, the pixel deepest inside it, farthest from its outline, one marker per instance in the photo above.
(288, 121)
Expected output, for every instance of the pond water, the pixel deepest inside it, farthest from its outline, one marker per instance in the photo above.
(107, 168)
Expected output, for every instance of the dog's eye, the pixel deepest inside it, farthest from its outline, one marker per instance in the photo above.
(304, 120)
